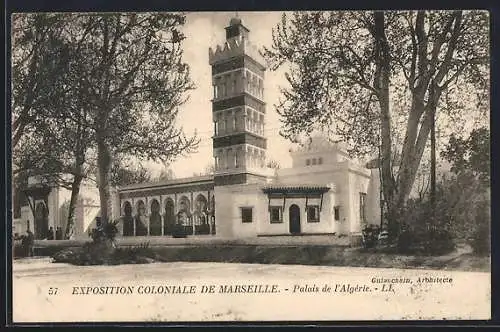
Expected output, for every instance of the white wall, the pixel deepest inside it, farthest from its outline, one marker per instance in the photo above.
(229, 201)
(326, 222)
(318, 174)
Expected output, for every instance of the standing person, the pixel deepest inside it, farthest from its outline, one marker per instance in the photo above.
(30, 242)
(51, 234)
(58, 233)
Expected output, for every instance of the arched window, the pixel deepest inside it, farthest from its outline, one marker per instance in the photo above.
(224, 117)
(221, 126)
(234, 121)
(234, 87)
(248, 81)
(230, 160)
(248, 120)
(237, 157)
(320, 161)
(314, 161)
(224, 89)
(308, 162)
(216, 162)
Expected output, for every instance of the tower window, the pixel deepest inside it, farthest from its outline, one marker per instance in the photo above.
(223, 88)
(229, 157)
(221, 128)
(217, 162)
(308, 162)
(314, 161)
(237, 158)
(336, 213)
(320, 161)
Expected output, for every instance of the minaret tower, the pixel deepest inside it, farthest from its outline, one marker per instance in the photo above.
(238, 108)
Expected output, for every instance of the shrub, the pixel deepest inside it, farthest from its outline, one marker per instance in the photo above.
(103, 251)
(370, 235)
(179, 231)
(405, 240)
(479, 238)
(142, 253)
(421, 231)
(105, 233)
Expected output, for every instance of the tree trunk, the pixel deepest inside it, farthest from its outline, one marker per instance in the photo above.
(381, 84)
(104, 165)
(75, 190)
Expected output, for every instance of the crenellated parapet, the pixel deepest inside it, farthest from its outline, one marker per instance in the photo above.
(235, 47)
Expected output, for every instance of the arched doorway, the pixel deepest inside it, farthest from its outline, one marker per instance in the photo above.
(155, 218)
(128, 220)
(140, 220)
(201, 215)
(41, 221)
(169, 223)
(294, 219)
(184, 216)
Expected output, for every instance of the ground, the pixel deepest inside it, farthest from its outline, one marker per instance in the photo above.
(466, 297)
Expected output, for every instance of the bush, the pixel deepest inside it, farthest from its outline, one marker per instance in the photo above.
(439, 240)
(479, 239)
(179, 231)
(370, 235)
(105, 233)
(99, 254)
(421, 232)
(405, 240)
(103, 251)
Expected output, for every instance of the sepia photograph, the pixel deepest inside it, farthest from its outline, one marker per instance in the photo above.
(250, 166)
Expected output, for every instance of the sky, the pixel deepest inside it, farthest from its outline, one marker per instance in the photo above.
(204, 30)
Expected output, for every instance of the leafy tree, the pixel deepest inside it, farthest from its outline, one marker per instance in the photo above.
(350, 72)
(122, 175)
(125, 73)
(51, 136)
(165, 174)
(35, 55)
(209, 170)
(135, 82)
(471, 154)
